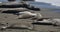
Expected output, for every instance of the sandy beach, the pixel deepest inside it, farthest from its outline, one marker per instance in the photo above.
(11, 19)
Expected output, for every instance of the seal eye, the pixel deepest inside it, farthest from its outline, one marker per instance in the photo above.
(33, 16)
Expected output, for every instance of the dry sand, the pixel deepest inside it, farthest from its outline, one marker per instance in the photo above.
(11, 18)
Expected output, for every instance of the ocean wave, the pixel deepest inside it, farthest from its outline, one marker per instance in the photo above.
(53, 2)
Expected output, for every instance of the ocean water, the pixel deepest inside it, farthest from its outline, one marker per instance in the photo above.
(41, 4)
(46, 5)
(53, 2)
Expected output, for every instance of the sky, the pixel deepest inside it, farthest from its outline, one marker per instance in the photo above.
(53, 2)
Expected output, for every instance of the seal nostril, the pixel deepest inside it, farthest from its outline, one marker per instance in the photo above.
(6, 23)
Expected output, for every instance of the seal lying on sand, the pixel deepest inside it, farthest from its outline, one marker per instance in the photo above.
(16, 26)
(27, 14)
(55, 22)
